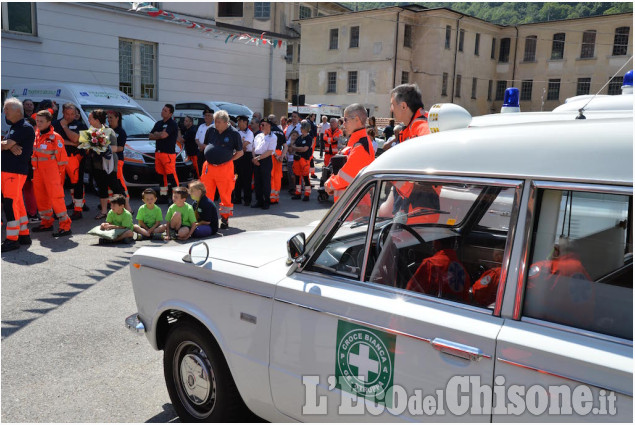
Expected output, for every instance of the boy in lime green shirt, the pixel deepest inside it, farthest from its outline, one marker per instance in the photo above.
(180, 215)
(118, 219)
(149, 215)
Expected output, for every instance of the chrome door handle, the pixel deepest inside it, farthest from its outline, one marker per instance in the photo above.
(459, 350)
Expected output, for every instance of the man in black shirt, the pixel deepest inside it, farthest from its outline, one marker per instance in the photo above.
(313, 134)
(189, 142)
(69, 127)
(165, 132)
(224, 146)
(16, 161)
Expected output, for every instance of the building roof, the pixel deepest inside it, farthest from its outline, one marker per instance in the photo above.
(561, 151)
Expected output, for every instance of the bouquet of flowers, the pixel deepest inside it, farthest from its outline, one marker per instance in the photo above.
(95, 139)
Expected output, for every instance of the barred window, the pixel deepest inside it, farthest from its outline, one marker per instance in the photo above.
(557, 47)
(262, 10)
(474, 82)
(500, 90)
(490, 84)
(305, 12)
(457, 90)
(503, 54)
(525, 89)
(530, 48)
(405, 77)
(333, 39)
(583, 86)
(493, 55)
(354, 42)
(553, 89)
(444, 85)
(620, 42)
(615, 85)
(448, 36)
(289, 53)
(352, 81)
(138, 69)
(230, 9)
(588, 44)
(332, 83)
(461, 39)
(407, 36)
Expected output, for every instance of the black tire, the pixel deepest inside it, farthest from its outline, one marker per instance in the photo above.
(199, 382)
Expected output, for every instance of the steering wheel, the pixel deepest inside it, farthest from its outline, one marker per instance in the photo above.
(383, 234)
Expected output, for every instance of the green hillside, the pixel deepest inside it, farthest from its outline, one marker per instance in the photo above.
(516, 13)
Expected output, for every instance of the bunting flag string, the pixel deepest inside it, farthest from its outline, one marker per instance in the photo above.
(151, 10)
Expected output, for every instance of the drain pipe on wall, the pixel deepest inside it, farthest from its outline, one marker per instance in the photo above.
(456, 50)
(515, 56)
(270, 72)
(394, 66)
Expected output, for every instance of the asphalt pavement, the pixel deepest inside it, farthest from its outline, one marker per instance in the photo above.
(66, 355)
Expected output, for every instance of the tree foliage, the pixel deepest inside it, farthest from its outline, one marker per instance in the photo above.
(505, 13)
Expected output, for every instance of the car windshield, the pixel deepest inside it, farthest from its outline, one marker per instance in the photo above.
(134, 121)
(235, 109)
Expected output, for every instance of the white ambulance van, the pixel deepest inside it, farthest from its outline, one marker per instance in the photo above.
(139, 153)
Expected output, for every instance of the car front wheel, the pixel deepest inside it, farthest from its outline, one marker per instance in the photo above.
(199, 382)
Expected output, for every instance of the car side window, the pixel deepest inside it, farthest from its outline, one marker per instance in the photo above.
(580, 270)
(343, 254)
(443, 240)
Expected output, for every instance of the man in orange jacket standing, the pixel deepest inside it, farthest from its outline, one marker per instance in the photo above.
(406, 104)
(16, 160)
(332, 136)
(49, 192)
(361, 154)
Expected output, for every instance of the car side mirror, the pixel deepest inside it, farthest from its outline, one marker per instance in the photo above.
(198, 254)
(295, 247)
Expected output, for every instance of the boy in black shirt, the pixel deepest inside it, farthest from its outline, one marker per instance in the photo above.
(206, 215)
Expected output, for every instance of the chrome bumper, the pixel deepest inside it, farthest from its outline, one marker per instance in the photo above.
(134, 324)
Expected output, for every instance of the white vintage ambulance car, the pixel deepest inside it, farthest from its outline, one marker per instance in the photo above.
(482, 274)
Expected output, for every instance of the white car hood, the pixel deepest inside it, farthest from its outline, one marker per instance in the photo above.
(253, 249)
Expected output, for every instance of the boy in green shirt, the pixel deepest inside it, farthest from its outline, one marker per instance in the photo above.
(118, 219)
(180, 216)
(149, 216)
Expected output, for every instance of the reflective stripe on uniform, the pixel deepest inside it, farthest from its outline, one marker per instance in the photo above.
(345, 176)
(163, 191)
(13, 228)
(41, 158)
(45, 151)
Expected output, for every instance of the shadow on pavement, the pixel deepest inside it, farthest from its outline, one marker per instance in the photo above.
(58, 244)
(23, 257)
(167, 416)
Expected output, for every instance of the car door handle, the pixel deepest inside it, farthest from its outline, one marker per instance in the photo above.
(459, 350)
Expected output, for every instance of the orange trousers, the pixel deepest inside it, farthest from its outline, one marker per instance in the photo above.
(220, 177)
(122, 181)
(72, 171)
(13, 205)
(49, 194)
(276, 179)
(194, 160)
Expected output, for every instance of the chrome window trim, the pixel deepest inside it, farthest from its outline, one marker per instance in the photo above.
(522, 269)
(440, 178)
(577, 331)
(557, 375)
(222, 285)
(584, 187)
(537, 185)
(511, 235)
(363, 323)
(371, 227)
(402, 292)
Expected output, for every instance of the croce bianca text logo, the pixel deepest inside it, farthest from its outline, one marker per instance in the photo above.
(462, 395)
(365, 360)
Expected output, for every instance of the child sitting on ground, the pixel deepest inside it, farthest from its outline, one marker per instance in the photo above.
(149, 216)
(205, 211)
(180, 216)
(118, 219)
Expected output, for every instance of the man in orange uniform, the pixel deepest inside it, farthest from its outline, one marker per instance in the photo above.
(49, 192)
(331, 137)
(69, 127)
(165, 132)
(361, 154)
(406, 104)
(224, 145)
(16, 158)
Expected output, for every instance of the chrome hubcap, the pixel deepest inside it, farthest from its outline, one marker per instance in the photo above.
(195, 378)
(196, 385)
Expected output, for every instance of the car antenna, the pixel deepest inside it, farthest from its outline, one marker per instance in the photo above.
(581, 110)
